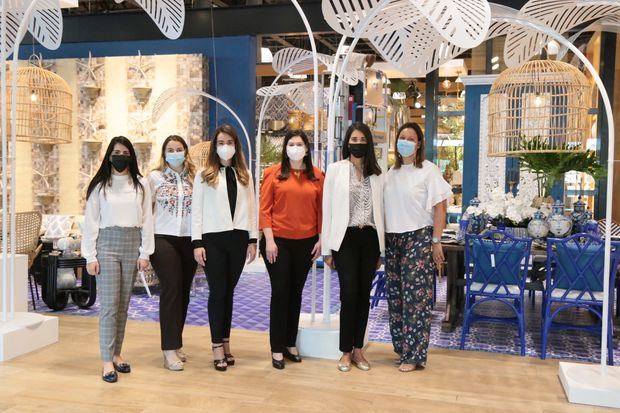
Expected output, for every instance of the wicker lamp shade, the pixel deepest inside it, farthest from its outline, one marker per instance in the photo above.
(44, 106)
(199, 153)
(540, 106)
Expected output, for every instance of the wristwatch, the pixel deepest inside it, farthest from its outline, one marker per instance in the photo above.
(436, 240)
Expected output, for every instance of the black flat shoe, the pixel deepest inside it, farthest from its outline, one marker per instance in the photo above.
(122, 367)
(296, 358)
(110, 377)
(277, 364)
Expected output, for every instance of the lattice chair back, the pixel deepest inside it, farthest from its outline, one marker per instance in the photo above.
(496, 263)
(28, 226)
(576, 265)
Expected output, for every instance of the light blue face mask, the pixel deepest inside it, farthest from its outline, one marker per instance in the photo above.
(405, 148)
(175, 159)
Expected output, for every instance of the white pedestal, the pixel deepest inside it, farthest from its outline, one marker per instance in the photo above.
(591, 384)
(25, 333)
(20, 294)
(319, 339)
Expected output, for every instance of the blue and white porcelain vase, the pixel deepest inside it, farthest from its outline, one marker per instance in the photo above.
(477, 222)
(538, 227)
(559, 224)
(590, 226)
(578, 216)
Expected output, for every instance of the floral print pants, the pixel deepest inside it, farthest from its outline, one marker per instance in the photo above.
(410, 270)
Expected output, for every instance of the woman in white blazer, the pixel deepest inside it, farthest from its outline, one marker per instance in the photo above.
(224, 232)
(353, 236)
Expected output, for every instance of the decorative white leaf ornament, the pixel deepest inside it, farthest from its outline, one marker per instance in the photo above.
(418, 49)
(300, 93)
(295, 60)
(46, 24)
(463, 23)
(609, 24)
(168, 15)
(560, 15)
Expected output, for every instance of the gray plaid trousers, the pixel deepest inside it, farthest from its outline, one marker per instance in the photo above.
(117, 253)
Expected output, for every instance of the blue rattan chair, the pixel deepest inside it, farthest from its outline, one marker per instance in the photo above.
(575, 267)
(496, 267)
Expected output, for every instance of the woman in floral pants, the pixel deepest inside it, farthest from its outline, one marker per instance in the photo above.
(415, 195)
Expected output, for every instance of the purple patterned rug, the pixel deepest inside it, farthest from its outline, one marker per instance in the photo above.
(251, 312)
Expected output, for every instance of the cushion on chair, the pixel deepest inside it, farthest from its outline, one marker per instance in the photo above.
(571, 261)
(490, 288)
(57, 226)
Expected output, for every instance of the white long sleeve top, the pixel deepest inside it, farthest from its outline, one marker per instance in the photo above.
(172, 200)
(120, 206)
(211, 208)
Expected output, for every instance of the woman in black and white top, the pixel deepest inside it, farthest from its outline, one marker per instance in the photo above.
(173, 260)
(224, 232)
(117, 240)
(353, 234)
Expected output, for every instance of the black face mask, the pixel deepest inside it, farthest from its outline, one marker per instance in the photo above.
(120, 162)
(359, 150)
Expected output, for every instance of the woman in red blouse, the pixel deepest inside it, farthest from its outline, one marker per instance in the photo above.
(290, 218)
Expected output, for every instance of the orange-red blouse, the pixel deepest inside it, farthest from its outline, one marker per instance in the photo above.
(292, 208)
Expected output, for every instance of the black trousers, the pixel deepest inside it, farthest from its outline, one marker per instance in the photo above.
(356, 263)
(174, 264)
(287, 275)
(226, 255)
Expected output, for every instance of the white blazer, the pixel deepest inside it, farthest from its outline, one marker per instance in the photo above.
(336, 206)
(211, 209)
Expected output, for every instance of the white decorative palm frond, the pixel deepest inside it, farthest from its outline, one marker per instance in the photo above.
(609, 24)
(46, 24)
(560, 15)
(169, 98)
(300, 93)
(463, 23)
(419, 49)
(295, 60)
(168, 15)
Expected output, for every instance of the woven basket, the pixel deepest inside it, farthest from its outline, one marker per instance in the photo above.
(44, 106)
(540, 106)
(199, 153)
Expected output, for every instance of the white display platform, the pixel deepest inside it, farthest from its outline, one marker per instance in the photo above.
(21, 283)
(319, 339)
(591, 384)
(26, 332)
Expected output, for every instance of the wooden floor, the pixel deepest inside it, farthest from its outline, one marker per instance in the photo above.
(65, 378)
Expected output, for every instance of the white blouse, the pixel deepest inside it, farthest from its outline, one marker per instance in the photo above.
(410, 193)
(120, 206)
(172, 200)
(211, 208)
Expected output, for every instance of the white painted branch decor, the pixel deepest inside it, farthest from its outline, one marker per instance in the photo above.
(168, 15)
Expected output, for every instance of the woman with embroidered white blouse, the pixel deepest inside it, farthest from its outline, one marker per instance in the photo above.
(173, 260)
(415, 195)
(117, 241)
(224, 232)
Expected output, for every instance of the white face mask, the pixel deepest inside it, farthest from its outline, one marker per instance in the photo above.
(296, 153)
(225, 152)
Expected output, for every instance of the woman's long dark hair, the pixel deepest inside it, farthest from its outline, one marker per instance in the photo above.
(104, 174)
(419, 156)
(370, 167)
(285, 170)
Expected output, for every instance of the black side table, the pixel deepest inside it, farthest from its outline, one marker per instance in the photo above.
(83, 296)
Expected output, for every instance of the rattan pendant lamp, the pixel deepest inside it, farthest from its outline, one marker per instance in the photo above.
(540, 106)
(44, 105)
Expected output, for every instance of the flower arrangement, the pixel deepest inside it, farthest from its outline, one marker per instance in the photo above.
(505, 209)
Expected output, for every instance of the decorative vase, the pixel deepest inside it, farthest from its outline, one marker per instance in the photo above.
(559, 224)
(538, 227)
(477, 222)
(590, 226)
(579, 216)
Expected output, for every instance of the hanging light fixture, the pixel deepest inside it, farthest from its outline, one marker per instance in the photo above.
(44, 105)
(540, 106)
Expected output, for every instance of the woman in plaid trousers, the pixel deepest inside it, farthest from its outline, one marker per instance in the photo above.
(117, 240)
